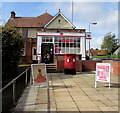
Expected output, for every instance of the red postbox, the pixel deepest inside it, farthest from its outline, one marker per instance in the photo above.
(70, 64)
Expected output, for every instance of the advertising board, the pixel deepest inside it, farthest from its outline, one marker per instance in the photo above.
(102, 73)
(39, 73)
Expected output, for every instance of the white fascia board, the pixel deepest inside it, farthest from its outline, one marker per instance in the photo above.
(61, 34)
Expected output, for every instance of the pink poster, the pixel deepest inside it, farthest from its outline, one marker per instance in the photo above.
(103, 72)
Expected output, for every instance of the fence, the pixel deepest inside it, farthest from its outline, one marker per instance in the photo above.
(14, 89)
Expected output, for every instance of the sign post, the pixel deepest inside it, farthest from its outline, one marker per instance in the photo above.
(102, 73)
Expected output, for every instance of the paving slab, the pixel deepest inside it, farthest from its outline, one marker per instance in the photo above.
(70, 93)
(89, 109)
(85, 103)
(65, 105)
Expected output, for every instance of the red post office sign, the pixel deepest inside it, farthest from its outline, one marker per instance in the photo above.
(102, 72)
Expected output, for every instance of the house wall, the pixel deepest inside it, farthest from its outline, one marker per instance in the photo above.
(32, 33)
(30, 43)
(63, 24)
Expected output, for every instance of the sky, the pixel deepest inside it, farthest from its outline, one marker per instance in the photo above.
(84, 13)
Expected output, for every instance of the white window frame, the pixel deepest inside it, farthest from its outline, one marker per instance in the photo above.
(26, 36)
(49, 34)
(34, 57)
(46, 41)
(24, 50)
(70, 49)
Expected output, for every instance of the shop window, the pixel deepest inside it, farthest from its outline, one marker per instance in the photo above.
(47, 39)
(67, 45)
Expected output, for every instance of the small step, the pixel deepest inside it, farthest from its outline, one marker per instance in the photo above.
(51, 68)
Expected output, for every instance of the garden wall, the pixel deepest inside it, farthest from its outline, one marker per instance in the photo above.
(90, 65)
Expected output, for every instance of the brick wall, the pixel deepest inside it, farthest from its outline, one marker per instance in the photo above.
(80, 65)
(115, 66)
(60, 65)
(89, 65)
(30, 43)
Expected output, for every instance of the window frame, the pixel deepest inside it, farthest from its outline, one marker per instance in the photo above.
(25, 33)
(72, 45)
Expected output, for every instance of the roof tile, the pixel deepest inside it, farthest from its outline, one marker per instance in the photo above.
(39, 21)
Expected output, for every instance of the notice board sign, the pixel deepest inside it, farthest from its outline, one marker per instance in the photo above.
(102, 73)
(39, 75)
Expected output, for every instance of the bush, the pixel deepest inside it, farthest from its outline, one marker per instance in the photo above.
(108, 56)
(100, 56)
(115, 56)
(11, 51)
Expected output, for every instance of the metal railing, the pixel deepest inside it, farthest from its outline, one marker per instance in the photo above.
(17, 86)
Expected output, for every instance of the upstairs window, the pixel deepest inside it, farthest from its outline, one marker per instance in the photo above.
(25, 33)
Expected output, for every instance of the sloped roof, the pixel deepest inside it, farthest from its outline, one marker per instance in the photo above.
(96, 52)
(39, 21)
(117, 51)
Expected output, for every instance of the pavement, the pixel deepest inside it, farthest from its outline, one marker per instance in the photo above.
(75, 93)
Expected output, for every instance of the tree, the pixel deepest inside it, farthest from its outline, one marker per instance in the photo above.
(11, 51)
(109, 44)
(91, 49)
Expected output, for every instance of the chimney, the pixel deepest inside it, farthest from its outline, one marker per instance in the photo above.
(12, 14)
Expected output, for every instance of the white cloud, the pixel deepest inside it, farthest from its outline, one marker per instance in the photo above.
(107, 20)
(86, 12)
(66, 9)
(96, 42)
(110, 21)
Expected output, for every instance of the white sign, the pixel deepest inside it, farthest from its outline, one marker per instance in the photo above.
(39, 74)
(61, 34)
(88, 35)
(103, 73)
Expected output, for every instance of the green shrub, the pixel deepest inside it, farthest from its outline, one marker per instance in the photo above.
(100, 57)
(108, 56)
(11, 51)
(115, 56)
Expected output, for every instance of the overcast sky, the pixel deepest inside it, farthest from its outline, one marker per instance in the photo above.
(104, 13)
